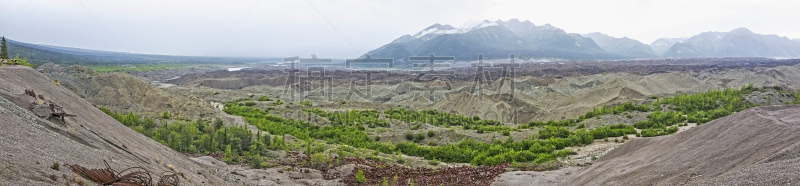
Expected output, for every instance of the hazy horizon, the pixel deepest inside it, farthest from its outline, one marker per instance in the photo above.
(346, 29)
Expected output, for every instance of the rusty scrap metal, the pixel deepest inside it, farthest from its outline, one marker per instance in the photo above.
(30, 92)
(133, 176)
(95, 175)
(58, 111)
(168, 178)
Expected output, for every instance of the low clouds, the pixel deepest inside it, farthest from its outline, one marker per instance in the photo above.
(289, 27)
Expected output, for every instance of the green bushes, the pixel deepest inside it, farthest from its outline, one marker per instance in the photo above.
(728, 99)
(433, 162)
(437, 118)
(467, 151)
(796, 99)
(659, 131)
(249, 103)
(660, 119)
(352, 117)
(697, 108)
(166, 115)
(624, 107)
(561, 123)
(431, 133)
(317, 160)
(264, 98)
(419, 137)
(198, 136)
(553, 131)
(616, 130)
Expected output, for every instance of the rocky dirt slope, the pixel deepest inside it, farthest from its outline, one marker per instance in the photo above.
(30, 144)
(759, 146)
(124, 93)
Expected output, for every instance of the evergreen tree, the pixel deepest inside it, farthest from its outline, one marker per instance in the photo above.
(360, 178)
(3, 49)
(228, 154)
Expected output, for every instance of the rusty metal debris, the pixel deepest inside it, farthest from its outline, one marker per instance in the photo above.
(30, 92)
(133, 176)
(95, 175)
(55, 110)
(58, 111)
(168, 178)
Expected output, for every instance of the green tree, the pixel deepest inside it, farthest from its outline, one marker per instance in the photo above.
(340, 155)
(318, 160)
(228, 154)
(256, 162)
(360, 177)
(3, 49)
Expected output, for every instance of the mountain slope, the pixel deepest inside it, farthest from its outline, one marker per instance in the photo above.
(661, 45)
(739, 42)
(493, 39)
(743, 148)
(30, 144)
(124, 93)
(622, 46)
(39, 54)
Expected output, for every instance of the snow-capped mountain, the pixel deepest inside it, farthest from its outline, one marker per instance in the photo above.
(739, 42)
(494, 39)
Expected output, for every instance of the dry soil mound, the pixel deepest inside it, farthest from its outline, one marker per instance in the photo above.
(30, 144)
(125, 93)
(759, 146)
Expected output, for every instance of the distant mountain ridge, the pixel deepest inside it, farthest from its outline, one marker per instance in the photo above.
(39, 54)
(739, 42)
(622, 46)
(661, 45)
(495, 39)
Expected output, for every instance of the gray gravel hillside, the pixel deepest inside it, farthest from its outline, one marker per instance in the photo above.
(30, 144)
(758, 146)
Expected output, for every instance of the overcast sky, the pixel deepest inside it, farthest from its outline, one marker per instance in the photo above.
(349, 28)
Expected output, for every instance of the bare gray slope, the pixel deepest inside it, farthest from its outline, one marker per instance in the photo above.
(29, 145)
(758, 146)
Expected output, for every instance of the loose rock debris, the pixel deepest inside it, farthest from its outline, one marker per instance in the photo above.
(377, 171)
